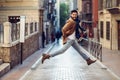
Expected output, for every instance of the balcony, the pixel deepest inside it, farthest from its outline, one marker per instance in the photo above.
(113, 6)
(114, 10)
(86, 18)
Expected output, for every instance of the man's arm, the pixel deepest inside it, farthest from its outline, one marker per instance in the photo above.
(81, 28)
(66, 28)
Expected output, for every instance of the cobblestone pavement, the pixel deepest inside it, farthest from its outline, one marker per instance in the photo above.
(68, 66)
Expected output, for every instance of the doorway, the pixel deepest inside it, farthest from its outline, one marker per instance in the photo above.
(118, 35)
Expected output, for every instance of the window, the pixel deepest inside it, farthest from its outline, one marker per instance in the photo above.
(101, 29)
(118, 3)
(108, 30)
(35, 26)
(26, 29)
(14, 31)
(31, 27)
(18, 31)
(87, 8)
(1, 33)
(115, 3)
(108, 3)
(100, 4)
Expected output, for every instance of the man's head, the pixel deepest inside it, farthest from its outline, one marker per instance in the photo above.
(74, 14)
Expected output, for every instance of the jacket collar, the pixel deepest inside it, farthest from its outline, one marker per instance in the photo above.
(72, 18)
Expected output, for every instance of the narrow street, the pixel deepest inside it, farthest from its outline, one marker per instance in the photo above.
(29, 28)
(68, 66)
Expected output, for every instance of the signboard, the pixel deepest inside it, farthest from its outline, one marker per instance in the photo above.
(22, 29)
(14, 19)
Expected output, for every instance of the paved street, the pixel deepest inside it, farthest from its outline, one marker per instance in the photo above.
(28, 28)
(111, 58)
(17, 72)
(68, 66)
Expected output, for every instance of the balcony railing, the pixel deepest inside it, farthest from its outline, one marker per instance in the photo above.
(10, 32)
(87, 17)
(93, 47)
(100, 4)
(1, 33)
(109, 4)
(112, 3)
(115, 3)
(15, 31)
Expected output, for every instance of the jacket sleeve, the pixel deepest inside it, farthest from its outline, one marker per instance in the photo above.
(68, 28)
(81, 28)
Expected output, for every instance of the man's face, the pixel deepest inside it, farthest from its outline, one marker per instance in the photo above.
(74, 15)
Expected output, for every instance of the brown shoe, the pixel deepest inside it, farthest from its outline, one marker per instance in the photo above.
(45, 56)
(89, 61)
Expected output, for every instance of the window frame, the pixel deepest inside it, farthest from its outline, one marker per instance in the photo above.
(108, 30)
(101, 29)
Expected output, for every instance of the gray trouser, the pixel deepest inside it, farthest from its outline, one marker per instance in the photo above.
(70, 43)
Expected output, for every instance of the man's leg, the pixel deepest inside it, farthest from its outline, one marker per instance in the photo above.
(63, 49)
(77, 47)
(60, 51)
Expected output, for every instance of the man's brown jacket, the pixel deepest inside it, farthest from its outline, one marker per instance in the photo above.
(68, 29)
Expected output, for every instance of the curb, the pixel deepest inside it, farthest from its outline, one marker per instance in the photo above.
(34, 66)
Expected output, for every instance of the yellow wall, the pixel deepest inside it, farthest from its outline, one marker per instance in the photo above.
(113, 42)
(28, 8)
(31, 15)
(20, 3)
(79, 5)
(106, 16)
(115, 31)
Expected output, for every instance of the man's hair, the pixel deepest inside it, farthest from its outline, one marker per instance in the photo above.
(74, 11)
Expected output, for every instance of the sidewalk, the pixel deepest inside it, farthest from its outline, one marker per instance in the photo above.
(111, 59)
(17, 72)
(68, 66)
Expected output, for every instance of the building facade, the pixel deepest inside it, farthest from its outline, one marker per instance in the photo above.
(95, 19)
(74, 4)
(79, 6)
(50, 19)
(85, 14)
(109, 23)
(10, 24)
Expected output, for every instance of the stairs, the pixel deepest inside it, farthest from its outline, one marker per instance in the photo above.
(4, 68)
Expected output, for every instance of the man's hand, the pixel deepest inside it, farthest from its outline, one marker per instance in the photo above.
(64, 40)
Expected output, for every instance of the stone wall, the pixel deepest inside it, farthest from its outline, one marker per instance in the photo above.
(15, 57)
(5, 54)
(30, 46)
(13, 54)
